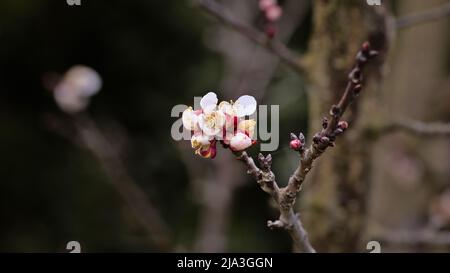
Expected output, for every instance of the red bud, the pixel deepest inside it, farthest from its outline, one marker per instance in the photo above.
(296, 144)
(343, 124)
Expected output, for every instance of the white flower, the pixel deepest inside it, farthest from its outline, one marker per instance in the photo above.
(85, 79)
(212, 122)
(227, 108)
(209, 102)
(240, 142)
(244, 106)
(222, 122)
(190, 119)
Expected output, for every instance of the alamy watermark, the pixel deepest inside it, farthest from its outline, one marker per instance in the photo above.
(73, 2)
(373, 2)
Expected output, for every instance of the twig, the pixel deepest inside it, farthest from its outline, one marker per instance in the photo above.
(423, 16)
(272, 45)
(332, 127)
(435, 129)
(288, 220)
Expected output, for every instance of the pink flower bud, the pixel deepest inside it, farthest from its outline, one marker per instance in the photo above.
(240, 142)
(273, 13)
(264, 4)
(343, 124)
(296, 144)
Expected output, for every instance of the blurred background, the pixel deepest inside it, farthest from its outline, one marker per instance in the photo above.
(112, 178)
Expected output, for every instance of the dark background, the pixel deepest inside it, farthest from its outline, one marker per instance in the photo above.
(151, 56)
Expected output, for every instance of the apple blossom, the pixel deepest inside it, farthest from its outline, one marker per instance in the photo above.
(224, 122)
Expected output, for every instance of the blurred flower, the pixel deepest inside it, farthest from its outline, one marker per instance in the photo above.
(222, 122)
(272, 11)
(72, 93)
(439, 210)
(264, 4)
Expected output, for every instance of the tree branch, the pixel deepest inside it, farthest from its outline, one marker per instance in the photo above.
(435, 129)
(288, 220)
(272, 45)
(423, 16)
(332, 127)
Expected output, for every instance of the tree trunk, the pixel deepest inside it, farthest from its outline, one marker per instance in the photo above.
(333, 201)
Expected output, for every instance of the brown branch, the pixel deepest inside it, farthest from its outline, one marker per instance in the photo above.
(272, 45)
(423, 16)
(435, 129)
(332, 127)
(288, 220)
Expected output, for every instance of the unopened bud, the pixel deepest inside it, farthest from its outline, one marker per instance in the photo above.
(296, 144)
(343, 125)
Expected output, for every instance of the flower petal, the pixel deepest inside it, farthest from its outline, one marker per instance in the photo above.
(190, 119)
(209, 101)
(245, 106)
(199, 140)
(208, 151)
(85, 79)
(247, 126)
(212, 123)
(240, 142)
(226, 108)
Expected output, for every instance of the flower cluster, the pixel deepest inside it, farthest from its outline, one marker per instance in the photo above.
(72, 93)
(224, 122)
(272, 12)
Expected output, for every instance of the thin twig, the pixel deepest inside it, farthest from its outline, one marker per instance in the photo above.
(288, 219)
(435, 129)
(424, 16)
(332, 127)
(273, 45)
